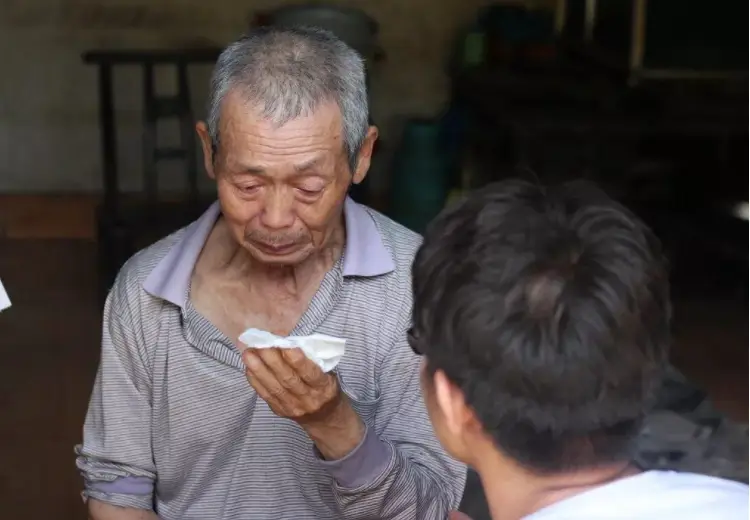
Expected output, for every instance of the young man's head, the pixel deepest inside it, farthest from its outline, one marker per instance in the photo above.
(543, 315)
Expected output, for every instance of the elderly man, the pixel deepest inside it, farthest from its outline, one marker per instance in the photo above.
(544, 316)
(174, 430)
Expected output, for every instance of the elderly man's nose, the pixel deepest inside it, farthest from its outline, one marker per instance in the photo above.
(278, 212)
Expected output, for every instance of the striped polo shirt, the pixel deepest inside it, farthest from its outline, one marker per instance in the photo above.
(174, 426)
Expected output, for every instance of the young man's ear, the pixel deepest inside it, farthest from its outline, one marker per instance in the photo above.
(451, 402)
(208, 150)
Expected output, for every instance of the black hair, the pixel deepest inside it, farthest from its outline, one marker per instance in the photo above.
(549, 308)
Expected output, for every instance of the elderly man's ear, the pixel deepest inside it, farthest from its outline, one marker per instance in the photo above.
(365, 155)
(208, 151)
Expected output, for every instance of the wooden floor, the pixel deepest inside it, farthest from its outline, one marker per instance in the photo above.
(49, 344)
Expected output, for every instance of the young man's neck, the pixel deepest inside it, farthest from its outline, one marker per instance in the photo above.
(514, 492)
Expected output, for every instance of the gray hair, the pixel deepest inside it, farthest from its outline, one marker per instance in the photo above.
(287, 73)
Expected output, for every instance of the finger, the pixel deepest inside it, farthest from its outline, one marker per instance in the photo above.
(260, 373)
(261, 390)
(308, 371)
(285, 374)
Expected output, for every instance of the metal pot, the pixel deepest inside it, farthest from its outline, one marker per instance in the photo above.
(353, 26)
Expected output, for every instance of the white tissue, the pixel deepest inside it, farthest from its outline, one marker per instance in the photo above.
(324, 351)
(4, 299)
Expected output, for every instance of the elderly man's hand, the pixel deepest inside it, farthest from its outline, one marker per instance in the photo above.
(296, 388)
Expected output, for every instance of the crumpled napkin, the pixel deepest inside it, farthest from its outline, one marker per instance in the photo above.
(4, 299)
(324, 351)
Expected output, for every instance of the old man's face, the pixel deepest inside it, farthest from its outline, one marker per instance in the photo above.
(282, 189)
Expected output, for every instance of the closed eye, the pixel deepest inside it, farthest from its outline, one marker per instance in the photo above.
(310, 190)
(248, 189)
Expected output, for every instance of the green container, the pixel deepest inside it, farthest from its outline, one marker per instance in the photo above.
(420, 182)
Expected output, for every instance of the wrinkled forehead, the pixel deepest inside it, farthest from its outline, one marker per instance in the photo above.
(251, 142)
(240, 116)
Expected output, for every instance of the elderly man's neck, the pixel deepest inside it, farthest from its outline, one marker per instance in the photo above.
(293, 279)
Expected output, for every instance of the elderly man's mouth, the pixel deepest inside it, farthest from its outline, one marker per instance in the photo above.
(276, 249)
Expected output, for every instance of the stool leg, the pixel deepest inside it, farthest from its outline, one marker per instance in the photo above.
(150, 180)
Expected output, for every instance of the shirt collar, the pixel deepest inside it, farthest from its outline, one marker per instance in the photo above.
(365, 253)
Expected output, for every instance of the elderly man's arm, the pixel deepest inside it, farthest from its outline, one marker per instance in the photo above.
(399, 471)
(102, 511)
(115, 457)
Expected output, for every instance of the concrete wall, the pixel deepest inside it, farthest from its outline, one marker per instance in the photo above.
(49, 139)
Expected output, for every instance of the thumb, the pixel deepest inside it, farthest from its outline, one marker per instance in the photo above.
(458, 515)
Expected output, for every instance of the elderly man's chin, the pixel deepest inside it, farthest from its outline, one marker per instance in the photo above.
(292, 254)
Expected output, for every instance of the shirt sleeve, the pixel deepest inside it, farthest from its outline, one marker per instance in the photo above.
(115, 457)
(399, 471)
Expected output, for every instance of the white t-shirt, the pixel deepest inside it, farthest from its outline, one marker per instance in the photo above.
(655, 495)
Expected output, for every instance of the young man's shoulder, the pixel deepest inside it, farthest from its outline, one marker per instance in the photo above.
(655, 495)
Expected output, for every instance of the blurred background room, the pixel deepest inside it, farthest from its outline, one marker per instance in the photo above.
(98, 158)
